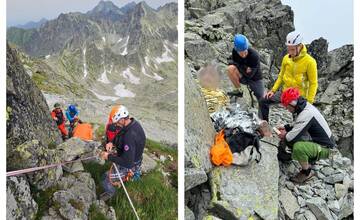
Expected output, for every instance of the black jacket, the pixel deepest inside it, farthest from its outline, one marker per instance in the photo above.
(129, 143)
(252, 60)
(310, 125)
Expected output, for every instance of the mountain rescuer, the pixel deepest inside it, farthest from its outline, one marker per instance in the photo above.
(129, 144)
(244, 68)
(72, 114)
(310, 137)
(58, 116)
(298, 70)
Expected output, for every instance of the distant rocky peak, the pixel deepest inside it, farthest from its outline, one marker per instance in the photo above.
(128, 7)
(105, 8)
(143, 8)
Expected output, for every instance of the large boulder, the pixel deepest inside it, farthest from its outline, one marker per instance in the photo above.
(28, 115)
(148, 164)
(249, 191)
(73, 198)
(75, 147)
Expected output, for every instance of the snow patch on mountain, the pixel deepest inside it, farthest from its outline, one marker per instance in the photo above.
(84, 63)
(104, 78)
(104, 97)
(125, 45)
(155, 76)
(130, 76)
(166, 56)
(121, 91)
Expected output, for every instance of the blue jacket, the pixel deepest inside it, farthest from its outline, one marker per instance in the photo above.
(70, 115)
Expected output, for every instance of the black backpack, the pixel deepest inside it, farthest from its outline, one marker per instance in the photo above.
(239, 140)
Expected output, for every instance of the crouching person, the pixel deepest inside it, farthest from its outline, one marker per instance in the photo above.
(129, 144)
(310, 137)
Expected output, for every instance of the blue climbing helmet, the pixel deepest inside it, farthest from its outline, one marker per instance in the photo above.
(72, 108)
(241, 43)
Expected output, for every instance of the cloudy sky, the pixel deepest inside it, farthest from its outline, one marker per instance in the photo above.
(331, 19)
(23, 11)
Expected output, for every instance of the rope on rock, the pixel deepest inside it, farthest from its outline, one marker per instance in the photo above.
(33, 169)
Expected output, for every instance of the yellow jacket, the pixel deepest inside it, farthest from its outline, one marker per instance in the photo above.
(299, 72)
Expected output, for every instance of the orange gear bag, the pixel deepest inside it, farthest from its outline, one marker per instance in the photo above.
(220, 152)
(83, 131)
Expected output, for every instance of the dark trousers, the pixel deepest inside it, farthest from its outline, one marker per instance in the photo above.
(264, 105)
(257, 87)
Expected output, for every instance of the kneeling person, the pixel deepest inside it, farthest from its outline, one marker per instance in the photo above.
(129, 144)
(310, 137)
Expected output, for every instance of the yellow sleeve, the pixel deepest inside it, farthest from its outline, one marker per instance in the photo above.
(313, 81)
(279, 80)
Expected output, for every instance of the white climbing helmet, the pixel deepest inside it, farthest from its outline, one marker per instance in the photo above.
(120, 113)
(293, 38)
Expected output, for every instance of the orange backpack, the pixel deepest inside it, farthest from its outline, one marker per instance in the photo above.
(220, 153)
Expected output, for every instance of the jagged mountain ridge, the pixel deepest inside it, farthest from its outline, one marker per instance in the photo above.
(109, 54)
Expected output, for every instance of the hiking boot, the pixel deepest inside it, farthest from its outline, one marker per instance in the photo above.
(105, 196)
(301, 177)
(236, 93)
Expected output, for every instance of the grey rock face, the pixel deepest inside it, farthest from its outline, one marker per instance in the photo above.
(33, 154)
(19, 201)
(27, 111)
(199, 132)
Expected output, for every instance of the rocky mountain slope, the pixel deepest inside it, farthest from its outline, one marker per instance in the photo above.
(69, 191)
(108, 55)
(238, 192)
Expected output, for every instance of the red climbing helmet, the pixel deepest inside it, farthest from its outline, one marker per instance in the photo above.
(289, 95)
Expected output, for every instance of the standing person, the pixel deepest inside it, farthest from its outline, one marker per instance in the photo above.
(298, 69)
(310, 137)
(129, 144)
(244, 68)
(58, 116)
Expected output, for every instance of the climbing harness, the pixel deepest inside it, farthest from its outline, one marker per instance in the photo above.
(33, 169)
(124, 178)
(127, 195)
